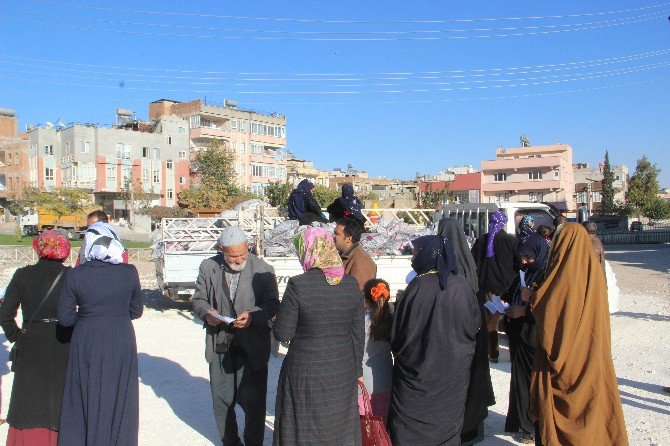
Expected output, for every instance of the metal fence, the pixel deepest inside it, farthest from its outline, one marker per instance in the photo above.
(26, 255)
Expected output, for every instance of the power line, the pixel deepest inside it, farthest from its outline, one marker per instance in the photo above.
(277, 19)
(596, 25)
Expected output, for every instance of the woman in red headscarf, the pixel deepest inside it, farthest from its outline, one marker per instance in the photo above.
(41, 344)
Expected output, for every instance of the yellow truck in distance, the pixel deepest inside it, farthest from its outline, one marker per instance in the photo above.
(71, 226)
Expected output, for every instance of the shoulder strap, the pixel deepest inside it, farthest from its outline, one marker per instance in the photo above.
(46, 296)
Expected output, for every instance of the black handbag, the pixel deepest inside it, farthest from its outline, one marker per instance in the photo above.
(14, 352)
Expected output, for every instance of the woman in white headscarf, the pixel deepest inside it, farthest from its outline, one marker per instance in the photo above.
(99, 299)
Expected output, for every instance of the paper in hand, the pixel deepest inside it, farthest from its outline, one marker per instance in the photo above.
(496, 305)
(225, 319)
(522, 278)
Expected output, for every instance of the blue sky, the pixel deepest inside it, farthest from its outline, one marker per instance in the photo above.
(391, 87)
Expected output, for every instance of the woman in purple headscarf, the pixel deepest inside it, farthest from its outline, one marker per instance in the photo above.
(498, 262)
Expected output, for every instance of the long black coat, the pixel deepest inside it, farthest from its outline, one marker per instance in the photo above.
(433, 345)
(101, 396)
(317, 392)
(39, 375)
(496, 273)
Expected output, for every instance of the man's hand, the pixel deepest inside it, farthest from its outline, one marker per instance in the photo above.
(526, 293)
(515, 311)
(211, 320)
(243, 320)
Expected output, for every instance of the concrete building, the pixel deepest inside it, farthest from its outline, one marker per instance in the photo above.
(464, 188)
(448, 174)
(298, 169)
(533, 173)
(257, 140)
(14, 155)
(587, 178)
(103, 159)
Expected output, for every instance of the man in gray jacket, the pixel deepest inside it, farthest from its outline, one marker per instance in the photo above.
(239, 285)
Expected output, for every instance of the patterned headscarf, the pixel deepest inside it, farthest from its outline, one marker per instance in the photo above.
(103, 243)
(316, 249)
(526, 228)
(351, 203)
(51, 245)
(497, 221)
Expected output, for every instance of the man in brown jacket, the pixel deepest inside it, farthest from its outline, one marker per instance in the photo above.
(357, 262)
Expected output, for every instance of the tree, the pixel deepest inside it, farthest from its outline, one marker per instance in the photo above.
(607, 193)
(658, 210)
(643, 186)
(431, 198)
(216, 182)
(277, 193)
(135, 198)
(59, 202)
(324, 195)
(159, 212)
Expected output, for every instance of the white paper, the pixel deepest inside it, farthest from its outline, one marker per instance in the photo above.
(522, 276)
(495, 305)
(226, 319)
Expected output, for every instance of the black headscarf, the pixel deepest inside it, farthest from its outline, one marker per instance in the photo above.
(350, 202)
(450, 228)
(536, 248)
(434, 253)
(296, 201)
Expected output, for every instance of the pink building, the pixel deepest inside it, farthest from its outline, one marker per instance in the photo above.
(535, 174)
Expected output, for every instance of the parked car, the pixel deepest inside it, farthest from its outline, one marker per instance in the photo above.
(636, 226)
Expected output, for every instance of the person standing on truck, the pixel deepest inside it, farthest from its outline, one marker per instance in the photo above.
(241, 286)
(348, 205)
(357, 262)
(91, 218)
(498, 262)
(302, 205)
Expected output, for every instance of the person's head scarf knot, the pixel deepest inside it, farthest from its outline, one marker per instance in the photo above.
(316, 249)
(497, 221)
(51, 245)
(103, 243)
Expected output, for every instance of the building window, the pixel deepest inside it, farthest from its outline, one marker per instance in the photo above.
(67, 148)
(157, 176)
(49, 149)
(535, 175)
(556, 174)
(536, 197)
(182, 130)
(182, 155)
(283, 132)
(168, 164)
(257, 149)
(233, 125)
(127, 151)
(234, 146)
(182, 180)
(597, 197)
(502, 198)
(169, 140)
(85, 147)
(157, 153)
(119, 151)
(241, 126)
(500, 176)
(145, 152)
(243, 169)
(145, 175)
(195, 121)
(48, 174)
(243, 147)
(111, 176)
(618, 178)
(168, 192)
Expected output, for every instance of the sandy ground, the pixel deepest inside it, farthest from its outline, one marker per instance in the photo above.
(175, 402)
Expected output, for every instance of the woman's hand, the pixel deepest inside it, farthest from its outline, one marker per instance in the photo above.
(515, 311)
(526, 293)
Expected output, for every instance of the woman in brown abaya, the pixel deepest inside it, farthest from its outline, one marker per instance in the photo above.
(574, 394)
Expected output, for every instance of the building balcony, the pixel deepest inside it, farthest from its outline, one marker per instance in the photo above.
(549, 162)
(210, 133)
(516, 186)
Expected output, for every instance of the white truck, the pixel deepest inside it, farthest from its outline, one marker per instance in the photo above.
(186, 242)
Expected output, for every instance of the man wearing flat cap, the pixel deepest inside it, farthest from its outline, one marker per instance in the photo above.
(239, 285)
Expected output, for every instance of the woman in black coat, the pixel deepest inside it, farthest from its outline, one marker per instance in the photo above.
(42, 350)
(99, 299)
(302, 205)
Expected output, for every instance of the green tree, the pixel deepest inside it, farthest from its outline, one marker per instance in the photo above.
(431, 198)
(608, 206)
(216, 179)
(643, 186)
(658, 210)
(277, 193)
(324, 195)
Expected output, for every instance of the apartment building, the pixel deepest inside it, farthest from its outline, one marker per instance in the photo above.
(463, 188)
(588, 180)
(299, 169)
(103, 159)
(532, 173)
(13, 154)
(257, 140)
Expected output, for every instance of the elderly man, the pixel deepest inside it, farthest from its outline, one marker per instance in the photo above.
(357, 261)
(238, 285)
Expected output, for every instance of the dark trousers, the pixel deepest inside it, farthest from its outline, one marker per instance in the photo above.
(233, 382)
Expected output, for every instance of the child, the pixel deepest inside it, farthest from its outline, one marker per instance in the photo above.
(377, 358)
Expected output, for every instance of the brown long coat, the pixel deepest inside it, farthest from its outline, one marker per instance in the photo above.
(574, 393)
(358, 263)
